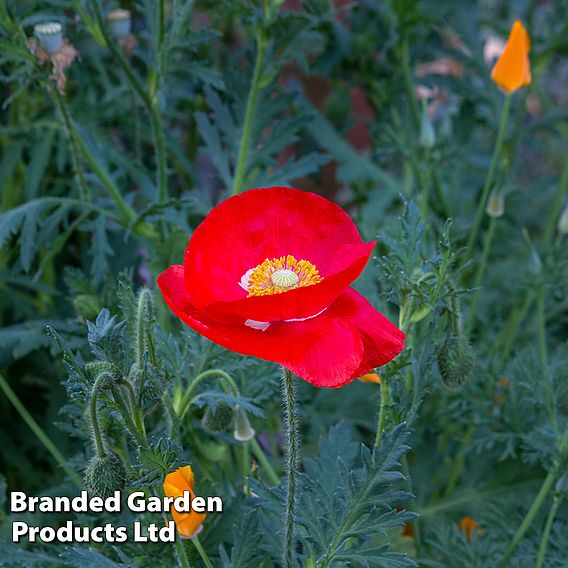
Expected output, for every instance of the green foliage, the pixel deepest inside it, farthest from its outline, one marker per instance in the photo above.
(103, 185)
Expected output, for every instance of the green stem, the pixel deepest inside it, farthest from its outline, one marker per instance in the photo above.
(459, 462)
(97, 435)
(263, 461)
(480, 274)
(249, 113)
(407, 72)
(160, 149)
(202, 553)
(38, 431)
(529, 517)
(83, 188)
(187, 397)
(181, 554)
(292, 450)
(138, 436)
(489, 179)
(386, 400)
(555, 210)
(546, 532)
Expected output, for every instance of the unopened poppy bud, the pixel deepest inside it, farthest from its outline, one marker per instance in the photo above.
(563, 222)
(496, 204)
(119, 23)
(456, 361)
(427, 133)
(105, 475)
(50, 36)
(243, 430)
(220, 419)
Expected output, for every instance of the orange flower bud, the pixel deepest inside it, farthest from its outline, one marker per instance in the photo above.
(467, 525)
(371, 378)
(512, 70)
(188, 524)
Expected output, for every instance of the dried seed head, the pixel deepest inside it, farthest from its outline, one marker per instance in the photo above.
(119, 22)
(50, 35)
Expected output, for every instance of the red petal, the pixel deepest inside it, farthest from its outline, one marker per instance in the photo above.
(246, 229)
(382, 340)
(347, 340)
(323, 350)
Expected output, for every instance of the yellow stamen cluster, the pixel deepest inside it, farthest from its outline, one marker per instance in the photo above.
(277, 275)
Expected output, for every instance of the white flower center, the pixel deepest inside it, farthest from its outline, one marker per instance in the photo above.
(284, 278)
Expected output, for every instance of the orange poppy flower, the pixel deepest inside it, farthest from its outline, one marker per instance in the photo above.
(467, 525)
(371, 378)
(188, 524)
(512, 70)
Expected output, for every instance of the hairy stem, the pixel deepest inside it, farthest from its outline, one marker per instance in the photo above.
(292, 450)
(38, 431)
(490, 175)
(97, 434)
(187, 397)
(386, 400)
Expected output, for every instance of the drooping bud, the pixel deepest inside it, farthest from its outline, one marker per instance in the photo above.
(563, 222)
(50, 36)
(427, 132)
(119, 23)
(219, 420)
(105, 475)
(456, 361)
(495, 204)
(243, 430)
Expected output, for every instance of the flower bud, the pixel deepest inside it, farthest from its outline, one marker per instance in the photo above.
(427, 133)
(495, 204)
(105, 475)
(563, 222)
(243, 430)
(50, 36)
(119, 23)
(456, 361)
(220, 419)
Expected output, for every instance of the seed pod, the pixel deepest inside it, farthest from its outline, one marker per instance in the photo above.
(456, 361)
(219, 420)
(105, 475)
(119, 22)
(50, 36)
(243, 430)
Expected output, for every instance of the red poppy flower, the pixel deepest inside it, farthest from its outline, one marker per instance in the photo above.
(267, 274)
